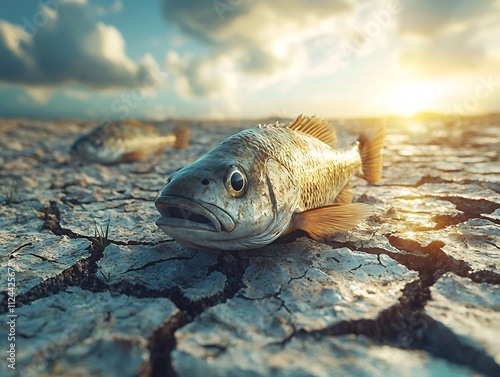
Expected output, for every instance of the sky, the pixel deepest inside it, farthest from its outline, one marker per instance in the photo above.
(227, 59)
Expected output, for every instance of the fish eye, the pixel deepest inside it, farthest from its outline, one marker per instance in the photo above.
(80, 149)
(235, 181)
(95, 140)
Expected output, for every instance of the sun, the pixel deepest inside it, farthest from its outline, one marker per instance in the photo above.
(409, 99)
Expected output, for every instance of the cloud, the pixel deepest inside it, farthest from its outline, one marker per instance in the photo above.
(116, 7)
(200, 76)
(445, 55)
(252, 39)
(430, 17)
(448, 37)
(39, 95)
(68, 47)
(247, 22)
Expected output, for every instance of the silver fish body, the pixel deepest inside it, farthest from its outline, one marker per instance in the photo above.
(124, 141)
(264, 182)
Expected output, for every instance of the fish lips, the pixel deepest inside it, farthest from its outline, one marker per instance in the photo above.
(183, 213)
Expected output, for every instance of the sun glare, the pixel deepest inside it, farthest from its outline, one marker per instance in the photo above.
(406, 100)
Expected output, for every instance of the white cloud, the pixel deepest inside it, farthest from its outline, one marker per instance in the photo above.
(450, 36)
(15, 59)
(200, 76)
(445, 55)
(40, 95)
(252, 44)
(249, 22)
(71, 47)
(285, 42)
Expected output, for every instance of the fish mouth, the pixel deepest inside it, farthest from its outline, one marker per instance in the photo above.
(183, 213)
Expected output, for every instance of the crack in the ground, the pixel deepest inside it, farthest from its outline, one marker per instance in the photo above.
(380, 262)
(275, 295)
(42, 258)
(442, 342)
(160, 345)
(230, 265)
(152, 263)
(292, 278)
(20, 247)
(439, 262)
(84, 274)
(485, 276)
(400, 324)
(429, 261)
(233, 267)
(405, 325)
(51, 221)
(429, 179)
(81, 274)
(470, 208)
(356, 268)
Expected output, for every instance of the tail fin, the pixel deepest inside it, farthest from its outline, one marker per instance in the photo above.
(182, 138)
(370, 149)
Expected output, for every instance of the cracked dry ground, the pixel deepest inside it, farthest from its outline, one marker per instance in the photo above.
(414, 290)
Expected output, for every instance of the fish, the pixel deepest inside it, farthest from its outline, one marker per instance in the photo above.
(267, 181)
(125, 141)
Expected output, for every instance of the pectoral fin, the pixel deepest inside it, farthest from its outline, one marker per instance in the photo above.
(345, 196)
(321, 222)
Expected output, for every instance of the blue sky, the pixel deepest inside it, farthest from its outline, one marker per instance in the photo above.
(248, 59)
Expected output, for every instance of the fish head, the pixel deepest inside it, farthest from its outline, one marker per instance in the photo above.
(225, 201)
(97, 146)
(85, 148)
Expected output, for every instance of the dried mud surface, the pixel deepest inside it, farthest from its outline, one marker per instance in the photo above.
(414, 290)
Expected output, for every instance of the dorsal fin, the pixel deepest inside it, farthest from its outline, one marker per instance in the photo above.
(139, 124)
(316, 127)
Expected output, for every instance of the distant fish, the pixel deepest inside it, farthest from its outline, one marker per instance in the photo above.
(265, 182)
(124, 141)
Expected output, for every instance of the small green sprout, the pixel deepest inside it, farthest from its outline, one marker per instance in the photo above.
(10, 193)
(101, 235)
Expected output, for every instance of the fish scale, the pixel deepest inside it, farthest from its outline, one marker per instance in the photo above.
(320, 171)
